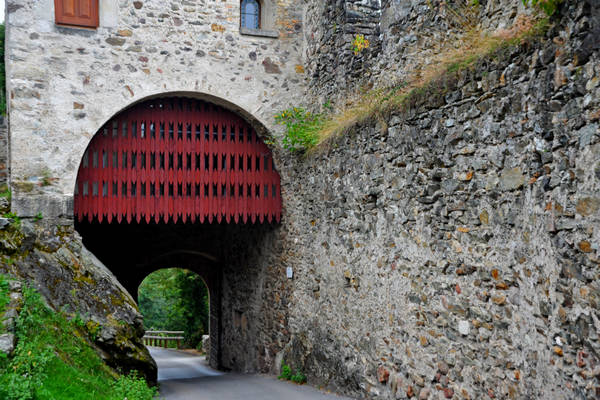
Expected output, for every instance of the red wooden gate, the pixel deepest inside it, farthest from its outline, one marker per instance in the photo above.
(177, 159)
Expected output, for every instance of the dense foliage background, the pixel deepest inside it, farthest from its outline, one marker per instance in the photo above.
(175, 300)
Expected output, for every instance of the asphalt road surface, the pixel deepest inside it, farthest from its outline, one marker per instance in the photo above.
(184, 376)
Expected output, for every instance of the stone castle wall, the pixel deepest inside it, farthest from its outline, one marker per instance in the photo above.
(405, 37)
(452, 250)
(64, 83)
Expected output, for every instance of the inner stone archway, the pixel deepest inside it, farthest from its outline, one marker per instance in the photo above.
(179, 182)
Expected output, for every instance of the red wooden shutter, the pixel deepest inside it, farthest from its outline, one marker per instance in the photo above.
(77, 12)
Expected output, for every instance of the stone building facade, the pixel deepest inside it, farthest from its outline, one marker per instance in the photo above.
(64, 83)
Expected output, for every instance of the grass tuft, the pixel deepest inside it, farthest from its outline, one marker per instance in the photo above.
(435, 78)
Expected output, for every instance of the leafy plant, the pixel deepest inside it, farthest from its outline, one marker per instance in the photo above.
(6, 193)
(38, 216)
(132, 387)
(302, 128)
(548, 6)
(359, 44)
(298, 377)
(286, 372)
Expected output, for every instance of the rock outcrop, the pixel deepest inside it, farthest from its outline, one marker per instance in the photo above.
(49, 255)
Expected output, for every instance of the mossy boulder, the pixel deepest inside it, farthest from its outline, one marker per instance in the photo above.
(50, 255)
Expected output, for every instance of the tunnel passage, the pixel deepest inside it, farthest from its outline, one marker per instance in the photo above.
(181, 183)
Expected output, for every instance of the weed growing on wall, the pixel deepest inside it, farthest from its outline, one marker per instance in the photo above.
(302, 128)
(359, 44)
(287, 375)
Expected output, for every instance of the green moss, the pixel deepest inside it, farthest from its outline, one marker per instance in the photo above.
(23, 186)
(4, 299)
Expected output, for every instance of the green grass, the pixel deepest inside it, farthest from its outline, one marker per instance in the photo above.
(4, 299)
(54, 360)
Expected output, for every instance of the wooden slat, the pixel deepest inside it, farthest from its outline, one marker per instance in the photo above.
(201, 163)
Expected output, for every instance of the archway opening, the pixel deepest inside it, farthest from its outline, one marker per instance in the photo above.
(180, 182)
(176, 300)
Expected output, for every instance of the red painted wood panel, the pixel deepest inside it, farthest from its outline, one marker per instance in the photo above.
(77, 12)
(177, 160)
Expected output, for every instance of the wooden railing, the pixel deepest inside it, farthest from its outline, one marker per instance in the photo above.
(163, 338)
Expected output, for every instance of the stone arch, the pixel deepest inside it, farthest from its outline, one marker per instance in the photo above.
(56, 199)
(205, 267)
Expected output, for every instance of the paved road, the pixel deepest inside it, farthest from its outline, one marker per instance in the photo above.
(184, 376)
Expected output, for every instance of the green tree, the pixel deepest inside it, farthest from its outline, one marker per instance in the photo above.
(175, 299)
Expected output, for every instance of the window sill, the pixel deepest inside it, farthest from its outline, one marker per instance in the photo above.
(259, 32)
(69, 26)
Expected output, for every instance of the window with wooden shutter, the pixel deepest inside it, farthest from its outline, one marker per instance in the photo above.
(82, 13)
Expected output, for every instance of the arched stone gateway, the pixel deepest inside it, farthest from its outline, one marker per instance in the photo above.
(179, 182)
(177, 159)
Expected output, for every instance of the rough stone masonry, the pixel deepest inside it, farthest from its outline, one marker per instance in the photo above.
(452, 250)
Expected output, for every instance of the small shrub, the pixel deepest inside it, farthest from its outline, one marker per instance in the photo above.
(286, 372)
(298, 377)
(359, 44)
(132, 387)
(302, 128)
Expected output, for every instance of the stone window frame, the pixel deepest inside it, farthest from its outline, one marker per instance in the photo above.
(267, 20)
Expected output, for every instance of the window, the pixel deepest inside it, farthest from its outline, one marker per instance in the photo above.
(80, 13)
(250, 14)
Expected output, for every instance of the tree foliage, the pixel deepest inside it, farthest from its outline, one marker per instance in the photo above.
(175, 300)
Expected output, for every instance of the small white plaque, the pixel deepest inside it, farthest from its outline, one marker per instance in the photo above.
(290, 272)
